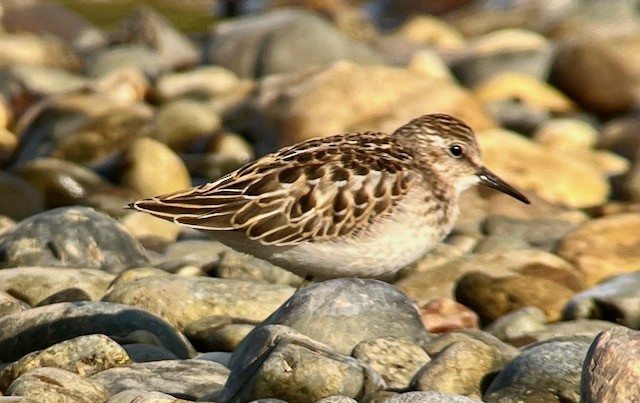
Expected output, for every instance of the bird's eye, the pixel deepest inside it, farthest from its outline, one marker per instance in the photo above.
(456, 151)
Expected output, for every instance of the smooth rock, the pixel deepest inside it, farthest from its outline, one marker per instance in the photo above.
(182, 122)
(433, 32)
(396, 360)
(144, 396)
(541, 234)
(143, 175)
(439, 281)
(52, 385)
(39, 50)
(430, 397)
(525, 89)
(10, 305)
(586, 69)
(508, 50)
(549, 371)
(187, 299)
(502, 351)
(191, 379)
(517, 324)
(610, 372)
(494, 296)
(63, 183)
(337, 399)
(19, 199)
(70, 237)
(34, 284)
(616, 300)
(277, 42)
(84, 355)
(90, 127)
(143, 352)
(209, 334)
(603, 247)
(343, 312)
(199, 82)
(460, 368)
(278, 362)
(578, 137)
(441, 315)
(582, 327)
(240, 266)
(345, 97)
(148, 27)
(115, 58)
(555, 177)
(22, 332)
(67, 295)
(205, 254)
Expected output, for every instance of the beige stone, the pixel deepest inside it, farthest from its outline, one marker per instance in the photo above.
(604, 247)
(555, 177)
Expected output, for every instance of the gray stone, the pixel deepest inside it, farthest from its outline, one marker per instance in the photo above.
(337, 399)
(610, 372)
(460, 368)
(121, 57)
(615, 300)
(144, 396)
(541, 233)
(19, 198)
(396, 360)
(544, 372)
(10, 305)
(67, 295)
(143, 352)
(278, 42)
(71, 237)
(187, 299)
(277, 361)
(34, 284)
(436, 345)
(343, 312)
(241, 266)
(42, 327)
(84, 355)
(517, 324)
(581, 327)
(54, 385)
(191, 379)
(430, 397)
(148, 27)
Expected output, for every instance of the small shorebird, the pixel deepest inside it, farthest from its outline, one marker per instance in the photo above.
(351, 205)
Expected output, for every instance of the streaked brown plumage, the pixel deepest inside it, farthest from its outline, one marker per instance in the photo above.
(356, 204)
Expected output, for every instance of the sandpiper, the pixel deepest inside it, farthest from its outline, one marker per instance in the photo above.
(351, 205)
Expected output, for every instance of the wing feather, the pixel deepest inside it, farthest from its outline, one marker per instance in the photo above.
(314, 191)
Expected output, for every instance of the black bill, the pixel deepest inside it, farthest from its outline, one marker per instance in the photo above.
(490, 179)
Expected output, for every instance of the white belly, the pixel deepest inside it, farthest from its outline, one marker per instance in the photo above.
(384, 248)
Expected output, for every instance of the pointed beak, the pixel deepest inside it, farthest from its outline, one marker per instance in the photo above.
(490, 179)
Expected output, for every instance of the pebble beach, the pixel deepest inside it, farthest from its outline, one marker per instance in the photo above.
(521, 303)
